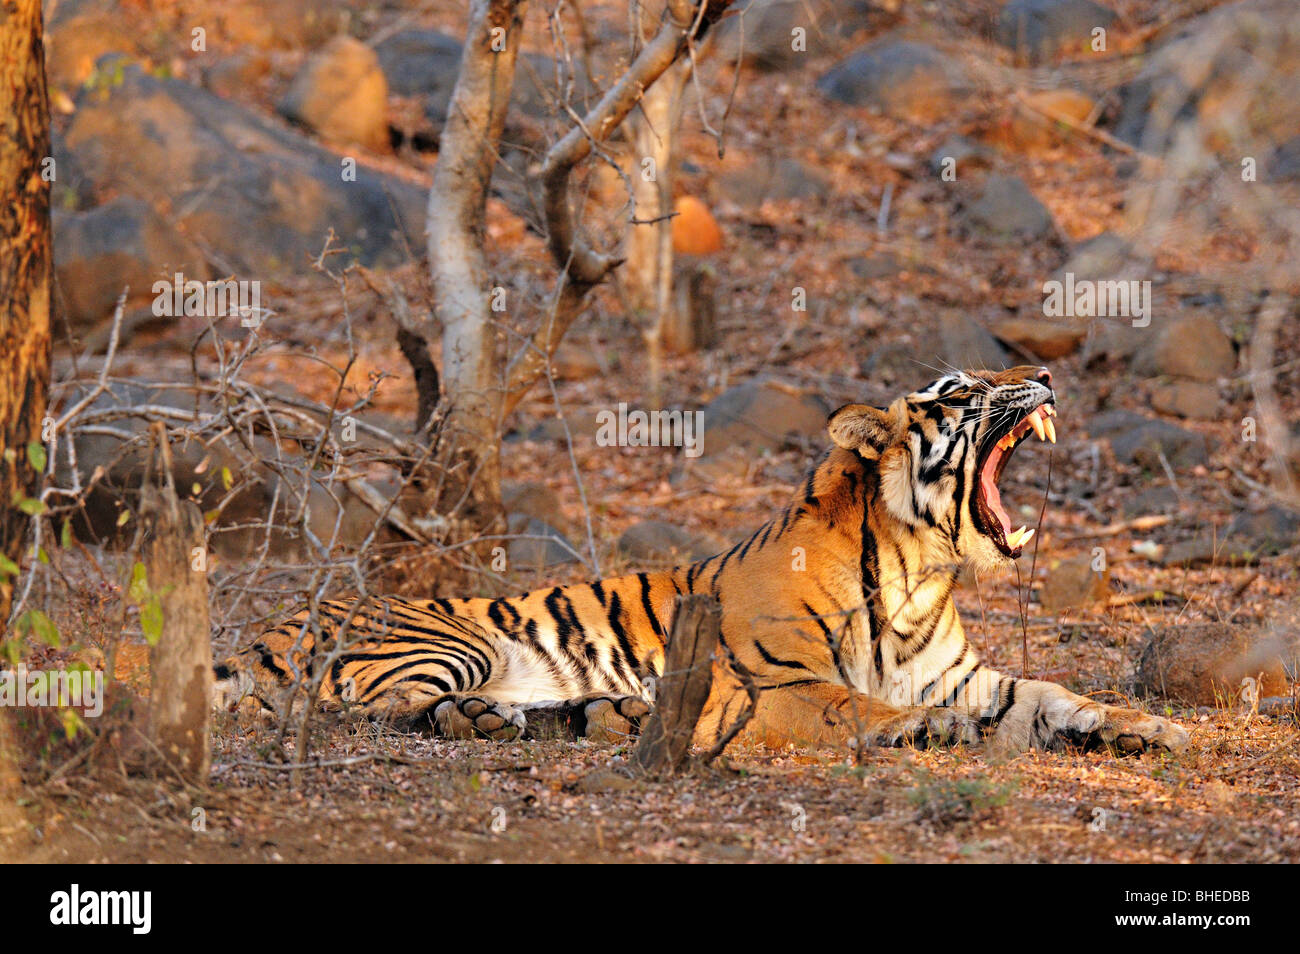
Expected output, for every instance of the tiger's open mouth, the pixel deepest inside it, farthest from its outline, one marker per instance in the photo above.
(990, 515)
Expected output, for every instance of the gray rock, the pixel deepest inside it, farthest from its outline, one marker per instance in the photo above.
(1284, 164)
(1142, 440)
(1007, 211)
(422, 63)
(1038, 30)
(656, 542)
(1194, 347)
(967, 153)
(539, 544)
(261, 196)
(341, 94)
(761, 415)
(965, 343)
(1149, 501)
(764, 35)
(1073, 584)
(897, 77)
(122, 243)
(534, 500)
(1199, 663)
(1191, 399)
(1103, 256)
(773, 178)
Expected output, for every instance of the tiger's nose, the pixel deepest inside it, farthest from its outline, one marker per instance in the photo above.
(1044, 377)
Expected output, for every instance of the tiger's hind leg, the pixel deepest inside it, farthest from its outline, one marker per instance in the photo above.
(598, 717)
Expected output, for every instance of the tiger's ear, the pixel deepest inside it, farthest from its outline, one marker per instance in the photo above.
(862, 428)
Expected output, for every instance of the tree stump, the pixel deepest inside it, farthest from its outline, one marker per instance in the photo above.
(180, 662)
(684, 686)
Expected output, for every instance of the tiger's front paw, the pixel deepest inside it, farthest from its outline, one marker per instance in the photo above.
(1128, 731)
(923, 726)
(466, 716)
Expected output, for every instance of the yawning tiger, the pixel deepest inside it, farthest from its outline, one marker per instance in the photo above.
(839, 610)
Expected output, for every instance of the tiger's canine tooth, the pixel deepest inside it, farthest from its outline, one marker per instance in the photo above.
(1036, 423)
(1050, 428)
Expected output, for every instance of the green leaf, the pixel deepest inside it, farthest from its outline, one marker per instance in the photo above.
(40, 626)
(195, 489)
(123, 517)
(31, 506)
(71, 723)
(227, 480)
(42, 555)
(7, 566)
(151, 619)
(65, 535)
(36, 457)
(138, 589)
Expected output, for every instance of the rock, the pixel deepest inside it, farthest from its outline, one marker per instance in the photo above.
(1246, 539)
(1150, 500)
(274, 24)
(533, 500)
(1048, 340)
(539, 545)
(262, 197)
(763, 415)
(1037, 30)
(1284, 164)
(773, 178)
(1191, 399)
(765, 37)
(1103, 256)
(656, 542)
(1142, 440)
(422, 63)
(899, 78)
(1206, 663)
(1008, 211)
(342, 95)
(75, 41)
(235, 75)
(123, 243)
(964, 343)
(1033, 125)
(1200, 74)
(603, 780)
(1073, 584)
(873, 267)
(966, 153)
(425, 63)
(695, 231)
(1194, 347)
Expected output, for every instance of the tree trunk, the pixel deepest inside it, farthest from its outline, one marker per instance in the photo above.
(24, 267)
(457, 206)
(649, 249)
(24, 315)
(684, 686)
(180, 662)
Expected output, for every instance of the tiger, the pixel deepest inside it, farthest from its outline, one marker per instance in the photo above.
(838, 623)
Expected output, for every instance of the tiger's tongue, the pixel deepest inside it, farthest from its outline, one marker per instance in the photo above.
(988, 480)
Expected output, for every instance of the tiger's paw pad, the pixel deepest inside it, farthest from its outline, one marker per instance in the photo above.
(920, 727)
(474, 717)
(611, 719)
(1129, 732)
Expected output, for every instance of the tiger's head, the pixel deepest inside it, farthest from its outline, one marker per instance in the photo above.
(940, 451)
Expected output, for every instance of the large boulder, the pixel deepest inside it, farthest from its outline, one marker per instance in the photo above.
(1006, 210)
(1209, 663)
(779, 34)
(1038, 30)
(763, 415)
(99, 252)
(342, 95)
(1140, 440)
(261, 196)
(901, 78)
(1232, 72)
